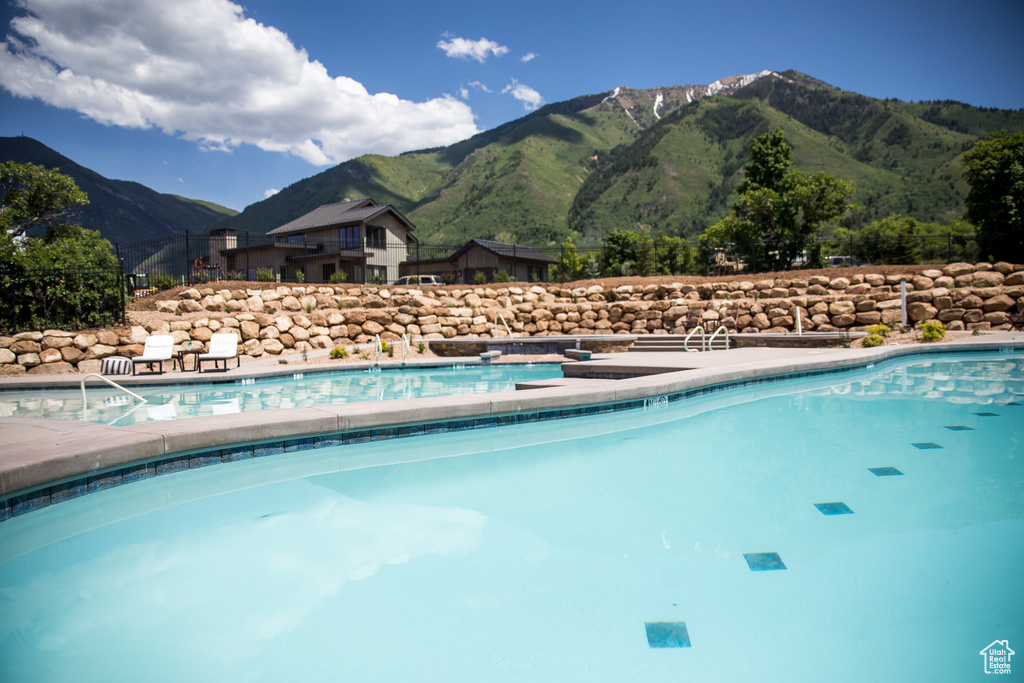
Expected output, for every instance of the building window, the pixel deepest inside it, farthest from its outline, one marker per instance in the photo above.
(376, 237)
(348, 238)
(329, 269)
(378, 274)
(292, 239)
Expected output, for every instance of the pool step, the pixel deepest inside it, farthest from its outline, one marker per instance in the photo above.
(674, 343)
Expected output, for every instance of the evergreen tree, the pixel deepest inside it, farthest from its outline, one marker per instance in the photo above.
(778, 209)
(994, 168)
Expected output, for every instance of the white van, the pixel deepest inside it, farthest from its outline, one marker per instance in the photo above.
(419, 281)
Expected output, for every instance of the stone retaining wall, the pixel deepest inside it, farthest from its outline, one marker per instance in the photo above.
(302, 318)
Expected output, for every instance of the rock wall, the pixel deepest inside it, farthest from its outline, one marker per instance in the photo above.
(303, 318)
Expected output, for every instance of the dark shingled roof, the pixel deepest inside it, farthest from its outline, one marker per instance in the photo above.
(506, 250)
(349, 212)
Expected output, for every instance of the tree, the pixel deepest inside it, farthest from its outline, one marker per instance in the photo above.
(994, 168)
(778, 209)
(569, 266)
(905, 240)
(35, 197)
(628, 252)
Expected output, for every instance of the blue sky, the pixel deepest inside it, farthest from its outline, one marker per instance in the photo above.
(227, 102)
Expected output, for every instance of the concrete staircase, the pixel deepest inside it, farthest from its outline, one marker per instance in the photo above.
(673, 343)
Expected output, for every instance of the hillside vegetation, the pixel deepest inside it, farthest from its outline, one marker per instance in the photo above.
(122, 211)
(610, 161)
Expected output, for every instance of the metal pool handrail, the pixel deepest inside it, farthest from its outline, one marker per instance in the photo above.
(507, 328)
(378, 348)
(81, 385)
(405, 347)
(712, 339)
(686, 341)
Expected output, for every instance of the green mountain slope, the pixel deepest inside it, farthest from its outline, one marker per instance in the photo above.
(669, 158)
(122, 211)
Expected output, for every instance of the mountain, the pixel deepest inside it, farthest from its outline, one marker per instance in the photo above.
(121, 210)
(669, 158)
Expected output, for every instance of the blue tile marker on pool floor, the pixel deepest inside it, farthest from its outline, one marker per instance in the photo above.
(885, 471)
(667, 634)
(834, 508)
(763, 562)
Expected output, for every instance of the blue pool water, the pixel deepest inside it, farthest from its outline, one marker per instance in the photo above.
(854, 527)
(174, 402)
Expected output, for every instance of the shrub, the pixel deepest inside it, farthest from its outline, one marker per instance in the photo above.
(421, 347)
(880, 330)
(338, 277)
(448, 279)
(932, 331)
(378, 279)
(300, 277)
(235, 275)
(310, 307)
(339, 352)
(873, 340)
(503, 276)
(264, 275)
(611, 296)
(161, 281)
(480, 278)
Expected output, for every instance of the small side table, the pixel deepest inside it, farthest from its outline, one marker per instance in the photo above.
(182, 355)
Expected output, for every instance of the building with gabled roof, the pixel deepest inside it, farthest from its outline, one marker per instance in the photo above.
(521, 264)
(360, 238)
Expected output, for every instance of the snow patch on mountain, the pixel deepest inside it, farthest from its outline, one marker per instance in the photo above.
(733, 83)
(615, 93)
(657, 103)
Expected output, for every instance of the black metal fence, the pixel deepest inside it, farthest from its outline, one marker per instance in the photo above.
(194, 258)
(39, 299)
(215, 256)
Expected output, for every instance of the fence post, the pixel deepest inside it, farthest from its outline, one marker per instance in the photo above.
(949, 247)
(120, 263)
(188, 260)
(247, 267)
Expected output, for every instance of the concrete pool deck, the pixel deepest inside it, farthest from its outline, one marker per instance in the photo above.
(43, 452)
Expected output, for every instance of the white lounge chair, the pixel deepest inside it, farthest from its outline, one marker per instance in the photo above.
(223, 347)
(159, 348)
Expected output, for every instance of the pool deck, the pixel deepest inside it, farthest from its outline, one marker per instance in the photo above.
(42, 452)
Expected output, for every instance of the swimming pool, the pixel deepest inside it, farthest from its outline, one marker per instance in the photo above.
(172, 402)
(584, 549)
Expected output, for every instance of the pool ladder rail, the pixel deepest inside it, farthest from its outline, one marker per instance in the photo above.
(706, 343)
(378, 348)
(507, 328)
(85, 404)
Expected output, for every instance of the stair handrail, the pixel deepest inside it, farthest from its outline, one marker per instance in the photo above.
(686, 341)
(378, 348)
(81, 385)
(721, 328)
(507, 328)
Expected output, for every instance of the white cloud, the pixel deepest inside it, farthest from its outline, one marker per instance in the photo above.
(463, 48)
(529, 57)
(530, 98)
(267, 194)
(201, 70)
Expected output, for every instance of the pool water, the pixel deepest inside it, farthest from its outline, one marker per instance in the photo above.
(172, 402)
(679, 542)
